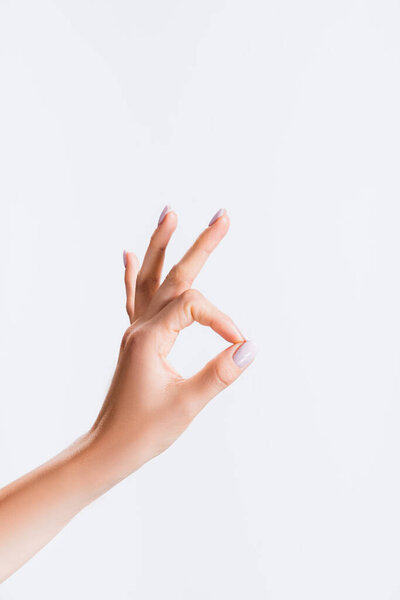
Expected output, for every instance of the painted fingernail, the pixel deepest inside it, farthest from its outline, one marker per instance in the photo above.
(164, 213)
(245, 354)
(124, 257)
(218, 214)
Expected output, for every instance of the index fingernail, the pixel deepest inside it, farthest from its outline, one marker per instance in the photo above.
(220, 213)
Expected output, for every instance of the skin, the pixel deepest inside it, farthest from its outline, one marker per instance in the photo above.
(148, 404)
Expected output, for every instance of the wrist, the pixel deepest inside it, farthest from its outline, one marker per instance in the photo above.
(99, 461)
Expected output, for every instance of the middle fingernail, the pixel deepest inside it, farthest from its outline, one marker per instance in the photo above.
(220, 213)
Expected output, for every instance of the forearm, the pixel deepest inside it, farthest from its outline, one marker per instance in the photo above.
(37, 506)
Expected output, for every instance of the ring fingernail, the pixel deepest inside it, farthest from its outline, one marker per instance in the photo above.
(164, 213)
(220, 213)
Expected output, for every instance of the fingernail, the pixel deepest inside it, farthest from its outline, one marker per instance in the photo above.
(124, 257)
(164, 212)
(220, 213)
(245, 354)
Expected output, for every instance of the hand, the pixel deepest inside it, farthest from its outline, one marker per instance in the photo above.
(149, 404)
(147, 407)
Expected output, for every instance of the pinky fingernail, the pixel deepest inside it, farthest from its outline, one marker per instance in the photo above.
(124, 257)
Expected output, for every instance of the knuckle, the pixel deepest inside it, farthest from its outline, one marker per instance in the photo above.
(146, 284)
(130, 345)
(190, 296)
(126, 337)
(133, 337)
(155, 244)
(179, 276)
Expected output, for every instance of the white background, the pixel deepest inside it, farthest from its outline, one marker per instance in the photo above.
(286, 113)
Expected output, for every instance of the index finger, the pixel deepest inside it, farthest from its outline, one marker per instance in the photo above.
(189, 307)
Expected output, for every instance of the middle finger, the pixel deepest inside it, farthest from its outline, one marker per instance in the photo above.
(182, 275)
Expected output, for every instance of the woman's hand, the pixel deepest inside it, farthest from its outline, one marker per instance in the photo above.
(149, 404)
(147, 407)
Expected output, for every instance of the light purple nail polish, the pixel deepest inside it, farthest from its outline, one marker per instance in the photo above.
(245, 354)
(165, 211)
(220, 213)
(124, 257)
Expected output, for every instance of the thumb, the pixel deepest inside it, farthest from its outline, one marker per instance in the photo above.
(220, 372)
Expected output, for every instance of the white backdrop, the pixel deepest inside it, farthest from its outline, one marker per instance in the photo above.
(286, 113)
